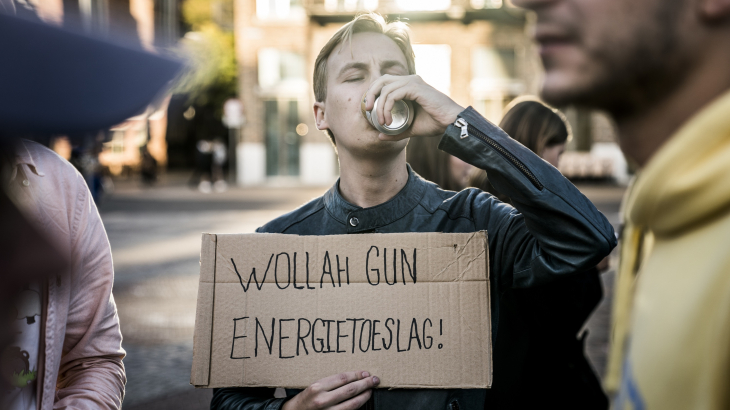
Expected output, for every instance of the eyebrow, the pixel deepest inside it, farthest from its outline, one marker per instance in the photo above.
(350, 66)
(392, 63)
(363, 66)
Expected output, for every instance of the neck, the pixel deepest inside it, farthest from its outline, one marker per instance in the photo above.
(367, 182)
(643, 132)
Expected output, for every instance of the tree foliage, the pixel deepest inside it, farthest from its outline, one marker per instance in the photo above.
(211, 77)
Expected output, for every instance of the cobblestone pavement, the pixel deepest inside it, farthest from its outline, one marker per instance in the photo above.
(155, 239)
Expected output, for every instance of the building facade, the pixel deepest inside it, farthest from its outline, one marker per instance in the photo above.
(476, 51)
(149, 24)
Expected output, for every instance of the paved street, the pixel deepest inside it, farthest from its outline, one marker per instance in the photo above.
(155, 239)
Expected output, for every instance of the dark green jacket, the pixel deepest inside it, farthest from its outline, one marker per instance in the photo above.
(552, 231)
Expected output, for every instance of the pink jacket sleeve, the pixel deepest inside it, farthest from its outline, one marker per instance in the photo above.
(91, 373)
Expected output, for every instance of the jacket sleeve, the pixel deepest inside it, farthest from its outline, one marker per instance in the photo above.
(91, 374)
(246, 398)
(552, 230)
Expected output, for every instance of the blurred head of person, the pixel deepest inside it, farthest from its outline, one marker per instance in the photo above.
(634, 59)
(542, 129)
(431, 163)
(357, 54)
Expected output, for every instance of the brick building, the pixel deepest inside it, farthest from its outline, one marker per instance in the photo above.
(150, 24)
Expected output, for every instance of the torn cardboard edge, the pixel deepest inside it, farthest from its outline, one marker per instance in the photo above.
(202, 340)
(205, 327)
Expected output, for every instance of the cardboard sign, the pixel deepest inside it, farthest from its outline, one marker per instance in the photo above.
(285, 310)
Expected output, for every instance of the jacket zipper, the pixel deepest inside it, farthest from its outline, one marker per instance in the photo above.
(467, 129)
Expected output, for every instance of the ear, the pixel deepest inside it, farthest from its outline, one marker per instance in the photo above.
(714, 10)
(319, 117)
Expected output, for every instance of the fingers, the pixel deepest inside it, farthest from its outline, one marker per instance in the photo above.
(338, 380)
(388, 97)
(376, 88)
(351, 390)
(392, 89)
(384, 116)
(355, 402)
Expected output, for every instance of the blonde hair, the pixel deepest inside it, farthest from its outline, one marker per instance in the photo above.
(363, 23)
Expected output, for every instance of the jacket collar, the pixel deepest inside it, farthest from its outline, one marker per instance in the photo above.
(367, 219)
(23, 156)
(686, 184)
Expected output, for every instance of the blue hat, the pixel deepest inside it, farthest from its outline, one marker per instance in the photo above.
(54, 81)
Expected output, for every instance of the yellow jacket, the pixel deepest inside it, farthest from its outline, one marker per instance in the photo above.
(671, 344)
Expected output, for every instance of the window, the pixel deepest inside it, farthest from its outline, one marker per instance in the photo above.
(493, 63)
(486, 4)
(423, 5)
(433, 64)
(167, 23)
(494, 80)
(280, 68)
(279, 9)
(350, 5)
(281, 118)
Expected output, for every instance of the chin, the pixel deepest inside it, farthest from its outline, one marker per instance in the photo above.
(381, 149)
(592, 87)
(369, 145)
(561, 89)
(385, 147)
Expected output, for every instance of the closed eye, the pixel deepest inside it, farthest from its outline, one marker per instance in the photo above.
(352, 80)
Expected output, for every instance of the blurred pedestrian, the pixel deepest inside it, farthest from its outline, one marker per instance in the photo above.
(57, 290)
(219, 156)
(552, 364)
(447, 171)
(543, 130)
(210, 157)
(148, 166)
(85, 158)
(662, 70)
(202, 177)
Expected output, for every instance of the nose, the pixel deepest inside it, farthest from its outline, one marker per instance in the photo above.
(533, 4)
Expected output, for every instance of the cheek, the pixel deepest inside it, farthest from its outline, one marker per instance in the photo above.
(345, 103)
(551, 155)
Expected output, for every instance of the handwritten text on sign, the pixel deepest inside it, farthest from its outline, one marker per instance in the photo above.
(397, 304)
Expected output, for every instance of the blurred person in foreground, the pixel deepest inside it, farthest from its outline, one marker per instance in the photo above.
(662, 70)
(552, 317)
(432, 164)
(551, 231)
(65, 347)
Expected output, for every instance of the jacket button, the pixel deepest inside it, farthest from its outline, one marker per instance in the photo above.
(26, 182)
(354, 221)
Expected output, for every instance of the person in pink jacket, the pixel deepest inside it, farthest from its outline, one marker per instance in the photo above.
(60, 343)
(68, 352)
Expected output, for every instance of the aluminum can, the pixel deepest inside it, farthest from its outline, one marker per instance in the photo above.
(402, 114)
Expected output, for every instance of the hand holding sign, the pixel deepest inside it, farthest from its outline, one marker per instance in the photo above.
(339, 392)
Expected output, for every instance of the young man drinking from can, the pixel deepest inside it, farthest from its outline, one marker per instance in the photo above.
(551, 231)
